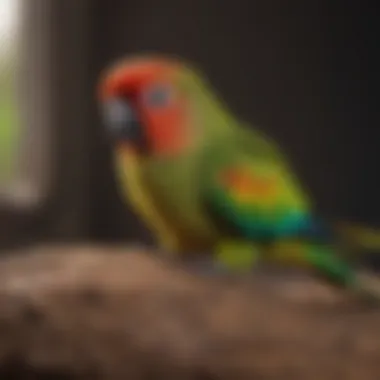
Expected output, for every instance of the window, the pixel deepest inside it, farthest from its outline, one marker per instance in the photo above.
(9, 125)
(18, 164)
(49, 118)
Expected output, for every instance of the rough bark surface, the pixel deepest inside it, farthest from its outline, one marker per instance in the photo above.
(111, 313)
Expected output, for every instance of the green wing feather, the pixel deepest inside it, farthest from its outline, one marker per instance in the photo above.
(256, 197)
(272, 212)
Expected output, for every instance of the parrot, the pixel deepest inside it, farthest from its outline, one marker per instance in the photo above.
(202, 180)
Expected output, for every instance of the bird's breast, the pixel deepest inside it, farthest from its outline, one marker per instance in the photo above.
(138, 192)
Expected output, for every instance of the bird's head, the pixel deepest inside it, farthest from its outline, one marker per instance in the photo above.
(156, 106)
(144, 107)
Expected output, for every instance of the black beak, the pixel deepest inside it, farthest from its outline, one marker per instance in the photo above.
(122, 122)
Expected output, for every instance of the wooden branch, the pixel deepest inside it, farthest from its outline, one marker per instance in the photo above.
(113, 313)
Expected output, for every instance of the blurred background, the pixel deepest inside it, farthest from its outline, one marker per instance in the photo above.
(306, 72)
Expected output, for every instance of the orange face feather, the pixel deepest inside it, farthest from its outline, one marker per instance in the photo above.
(246, 183)
(165, 128)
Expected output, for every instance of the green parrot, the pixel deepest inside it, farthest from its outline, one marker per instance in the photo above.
(203, 181)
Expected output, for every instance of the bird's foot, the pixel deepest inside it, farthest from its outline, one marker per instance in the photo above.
(237, 255)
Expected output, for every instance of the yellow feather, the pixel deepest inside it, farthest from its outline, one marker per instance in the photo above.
(288, 252)
(366, 238)
(143, 202)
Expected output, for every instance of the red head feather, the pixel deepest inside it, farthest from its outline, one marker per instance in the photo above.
(165, 127)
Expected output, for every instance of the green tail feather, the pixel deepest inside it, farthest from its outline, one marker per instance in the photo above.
(339, 272)
(328, 264)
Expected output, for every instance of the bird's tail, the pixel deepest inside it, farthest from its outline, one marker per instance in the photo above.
(362, 238)
(327, 263)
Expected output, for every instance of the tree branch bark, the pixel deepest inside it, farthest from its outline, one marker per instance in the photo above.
(109, 313)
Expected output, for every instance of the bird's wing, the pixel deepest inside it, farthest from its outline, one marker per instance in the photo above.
(254, 197)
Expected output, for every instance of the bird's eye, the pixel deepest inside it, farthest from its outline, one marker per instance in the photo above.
(158, 96)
